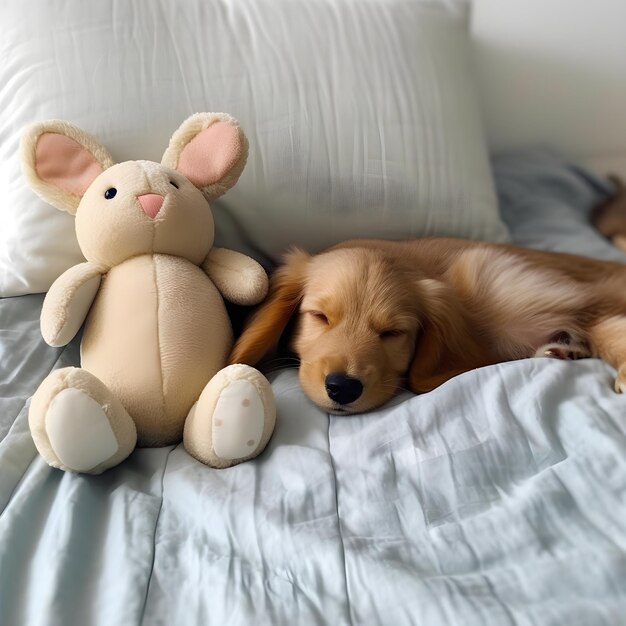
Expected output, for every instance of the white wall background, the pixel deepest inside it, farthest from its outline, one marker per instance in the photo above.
(554, 72)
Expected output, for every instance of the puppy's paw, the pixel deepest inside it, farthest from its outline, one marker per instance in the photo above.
(563, 351)
(620, 381)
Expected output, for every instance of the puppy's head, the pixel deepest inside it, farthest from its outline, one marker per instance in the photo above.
(357, 319)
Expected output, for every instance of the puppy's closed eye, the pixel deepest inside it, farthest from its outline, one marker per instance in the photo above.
(319, 316)
(391, 333)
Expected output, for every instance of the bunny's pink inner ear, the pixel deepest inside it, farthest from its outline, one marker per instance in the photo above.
(63, 162)
(211, 154)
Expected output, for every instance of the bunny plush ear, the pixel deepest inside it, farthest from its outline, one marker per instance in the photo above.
(210, 150)
(60, 161)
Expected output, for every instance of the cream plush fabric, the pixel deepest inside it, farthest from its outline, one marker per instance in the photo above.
(361, 116)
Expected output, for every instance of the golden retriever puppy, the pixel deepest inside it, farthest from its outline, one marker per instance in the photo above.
(373, 315)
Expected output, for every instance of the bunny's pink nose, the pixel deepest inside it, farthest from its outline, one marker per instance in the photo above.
(151, 203)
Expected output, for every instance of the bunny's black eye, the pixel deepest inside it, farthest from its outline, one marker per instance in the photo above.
(110, 193)
(173, 184)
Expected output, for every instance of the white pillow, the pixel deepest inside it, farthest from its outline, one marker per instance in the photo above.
(361, 116)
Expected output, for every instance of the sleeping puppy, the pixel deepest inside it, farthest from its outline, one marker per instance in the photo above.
(372, 315)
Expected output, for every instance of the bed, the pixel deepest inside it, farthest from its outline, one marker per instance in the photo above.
(499, 498)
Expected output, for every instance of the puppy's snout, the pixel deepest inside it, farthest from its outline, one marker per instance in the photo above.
(343, 389)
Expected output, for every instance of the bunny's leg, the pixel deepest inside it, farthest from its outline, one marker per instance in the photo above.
(78, 425)
(233, 419)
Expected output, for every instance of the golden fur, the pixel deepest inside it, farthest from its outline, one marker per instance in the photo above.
(609, 217)
(429, 309)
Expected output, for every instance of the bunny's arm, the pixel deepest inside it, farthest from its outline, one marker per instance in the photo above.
(67, 303)
(239, 278)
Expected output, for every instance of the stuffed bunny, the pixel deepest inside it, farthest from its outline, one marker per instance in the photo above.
(157, 335)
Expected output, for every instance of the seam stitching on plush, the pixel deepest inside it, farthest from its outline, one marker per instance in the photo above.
(158, 325)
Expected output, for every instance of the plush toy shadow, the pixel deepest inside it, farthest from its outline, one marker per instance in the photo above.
(157, 335)
(610, 216)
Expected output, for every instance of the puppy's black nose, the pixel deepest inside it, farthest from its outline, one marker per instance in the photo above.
(343, 389)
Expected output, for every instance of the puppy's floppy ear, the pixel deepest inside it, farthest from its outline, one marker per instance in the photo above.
(210, 149)
(262, 332)
(60, 161)
(446, 345)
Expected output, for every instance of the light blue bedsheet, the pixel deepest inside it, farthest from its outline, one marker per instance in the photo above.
(499, 498)
(545, 201)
